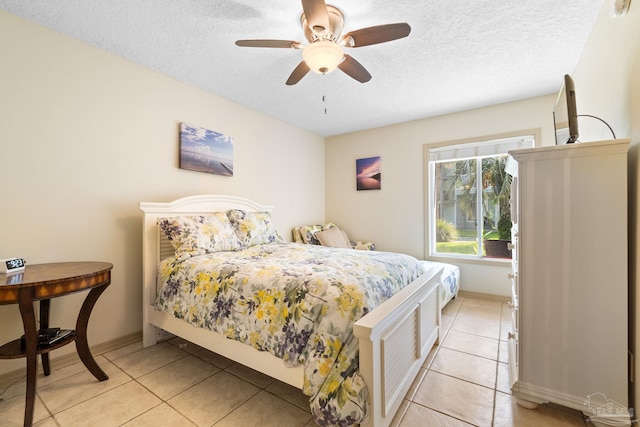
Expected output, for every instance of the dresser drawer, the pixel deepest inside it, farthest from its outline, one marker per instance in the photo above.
(515, 290)
(513, 246)
(512, 348)
(514, 321)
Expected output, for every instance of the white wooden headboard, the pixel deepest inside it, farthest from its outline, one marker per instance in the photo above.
(155, 246)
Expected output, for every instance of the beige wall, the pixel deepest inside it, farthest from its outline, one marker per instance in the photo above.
(86, 136)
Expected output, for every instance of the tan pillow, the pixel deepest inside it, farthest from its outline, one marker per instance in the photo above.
(346, 239)
(333, 237)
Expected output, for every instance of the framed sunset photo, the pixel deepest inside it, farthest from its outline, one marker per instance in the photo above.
(368, 174)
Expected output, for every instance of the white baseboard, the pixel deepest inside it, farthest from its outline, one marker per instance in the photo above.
(480, 295)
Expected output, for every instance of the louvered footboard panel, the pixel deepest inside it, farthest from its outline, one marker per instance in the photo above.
(429, 321)
(404, 346)
(400, 349)
(395, 342)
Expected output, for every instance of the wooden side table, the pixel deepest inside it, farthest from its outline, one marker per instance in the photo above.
(41, 282)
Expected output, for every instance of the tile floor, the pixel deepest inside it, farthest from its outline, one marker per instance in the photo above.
(463, 383)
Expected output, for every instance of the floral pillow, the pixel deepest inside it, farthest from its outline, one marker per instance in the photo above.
(309, 232)
(200, 234)
(253, 228)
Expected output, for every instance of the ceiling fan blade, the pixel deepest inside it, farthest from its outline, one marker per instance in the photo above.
(269, 43)
(298, 73)
(377, 34)
(354, 69)
(315, 11)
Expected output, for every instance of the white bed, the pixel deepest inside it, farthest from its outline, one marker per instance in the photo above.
(394, 339)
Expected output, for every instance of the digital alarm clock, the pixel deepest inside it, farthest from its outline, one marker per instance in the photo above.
(12, 265)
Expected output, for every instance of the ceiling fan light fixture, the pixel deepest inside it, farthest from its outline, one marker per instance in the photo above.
(323, 56)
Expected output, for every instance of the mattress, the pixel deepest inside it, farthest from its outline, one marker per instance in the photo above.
(449, 281)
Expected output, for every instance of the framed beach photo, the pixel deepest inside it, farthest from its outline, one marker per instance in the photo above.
(368, 174)
(204, 150)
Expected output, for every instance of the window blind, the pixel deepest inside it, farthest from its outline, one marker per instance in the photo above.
(480, 149)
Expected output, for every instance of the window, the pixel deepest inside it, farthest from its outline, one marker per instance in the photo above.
(469, 192)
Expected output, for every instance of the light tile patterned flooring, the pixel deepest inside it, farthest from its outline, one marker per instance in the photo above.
(464, 382)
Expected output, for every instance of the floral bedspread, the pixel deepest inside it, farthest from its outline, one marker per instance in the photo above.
(299, 303)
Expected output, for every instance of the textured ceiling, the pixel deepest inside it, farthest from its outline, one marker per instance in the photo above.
(461, 54)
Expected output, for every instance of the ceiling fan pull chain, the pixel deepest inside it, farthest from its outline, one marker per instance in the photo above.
(324, 94)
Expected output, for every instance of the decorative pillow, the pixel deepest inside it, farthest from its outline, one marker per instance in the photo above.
(297, 235)
(200, 234)
(365, 246)
(309, 232)
(333, 237)
(346, 238)
(253, 228)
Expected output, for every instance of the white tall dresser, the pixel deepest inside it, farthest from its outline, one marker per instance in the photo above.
(569, 343)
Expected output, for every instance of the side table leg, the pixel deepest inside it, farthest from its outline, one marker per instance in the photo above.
(25, 302)
(44, 324)
(82, 345)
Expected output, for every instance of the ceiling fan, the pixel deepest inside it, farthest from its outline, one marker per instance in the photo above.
(322, 25)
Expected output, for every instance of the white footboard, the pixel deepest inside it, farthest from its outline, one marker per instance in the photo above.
(395, 340)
